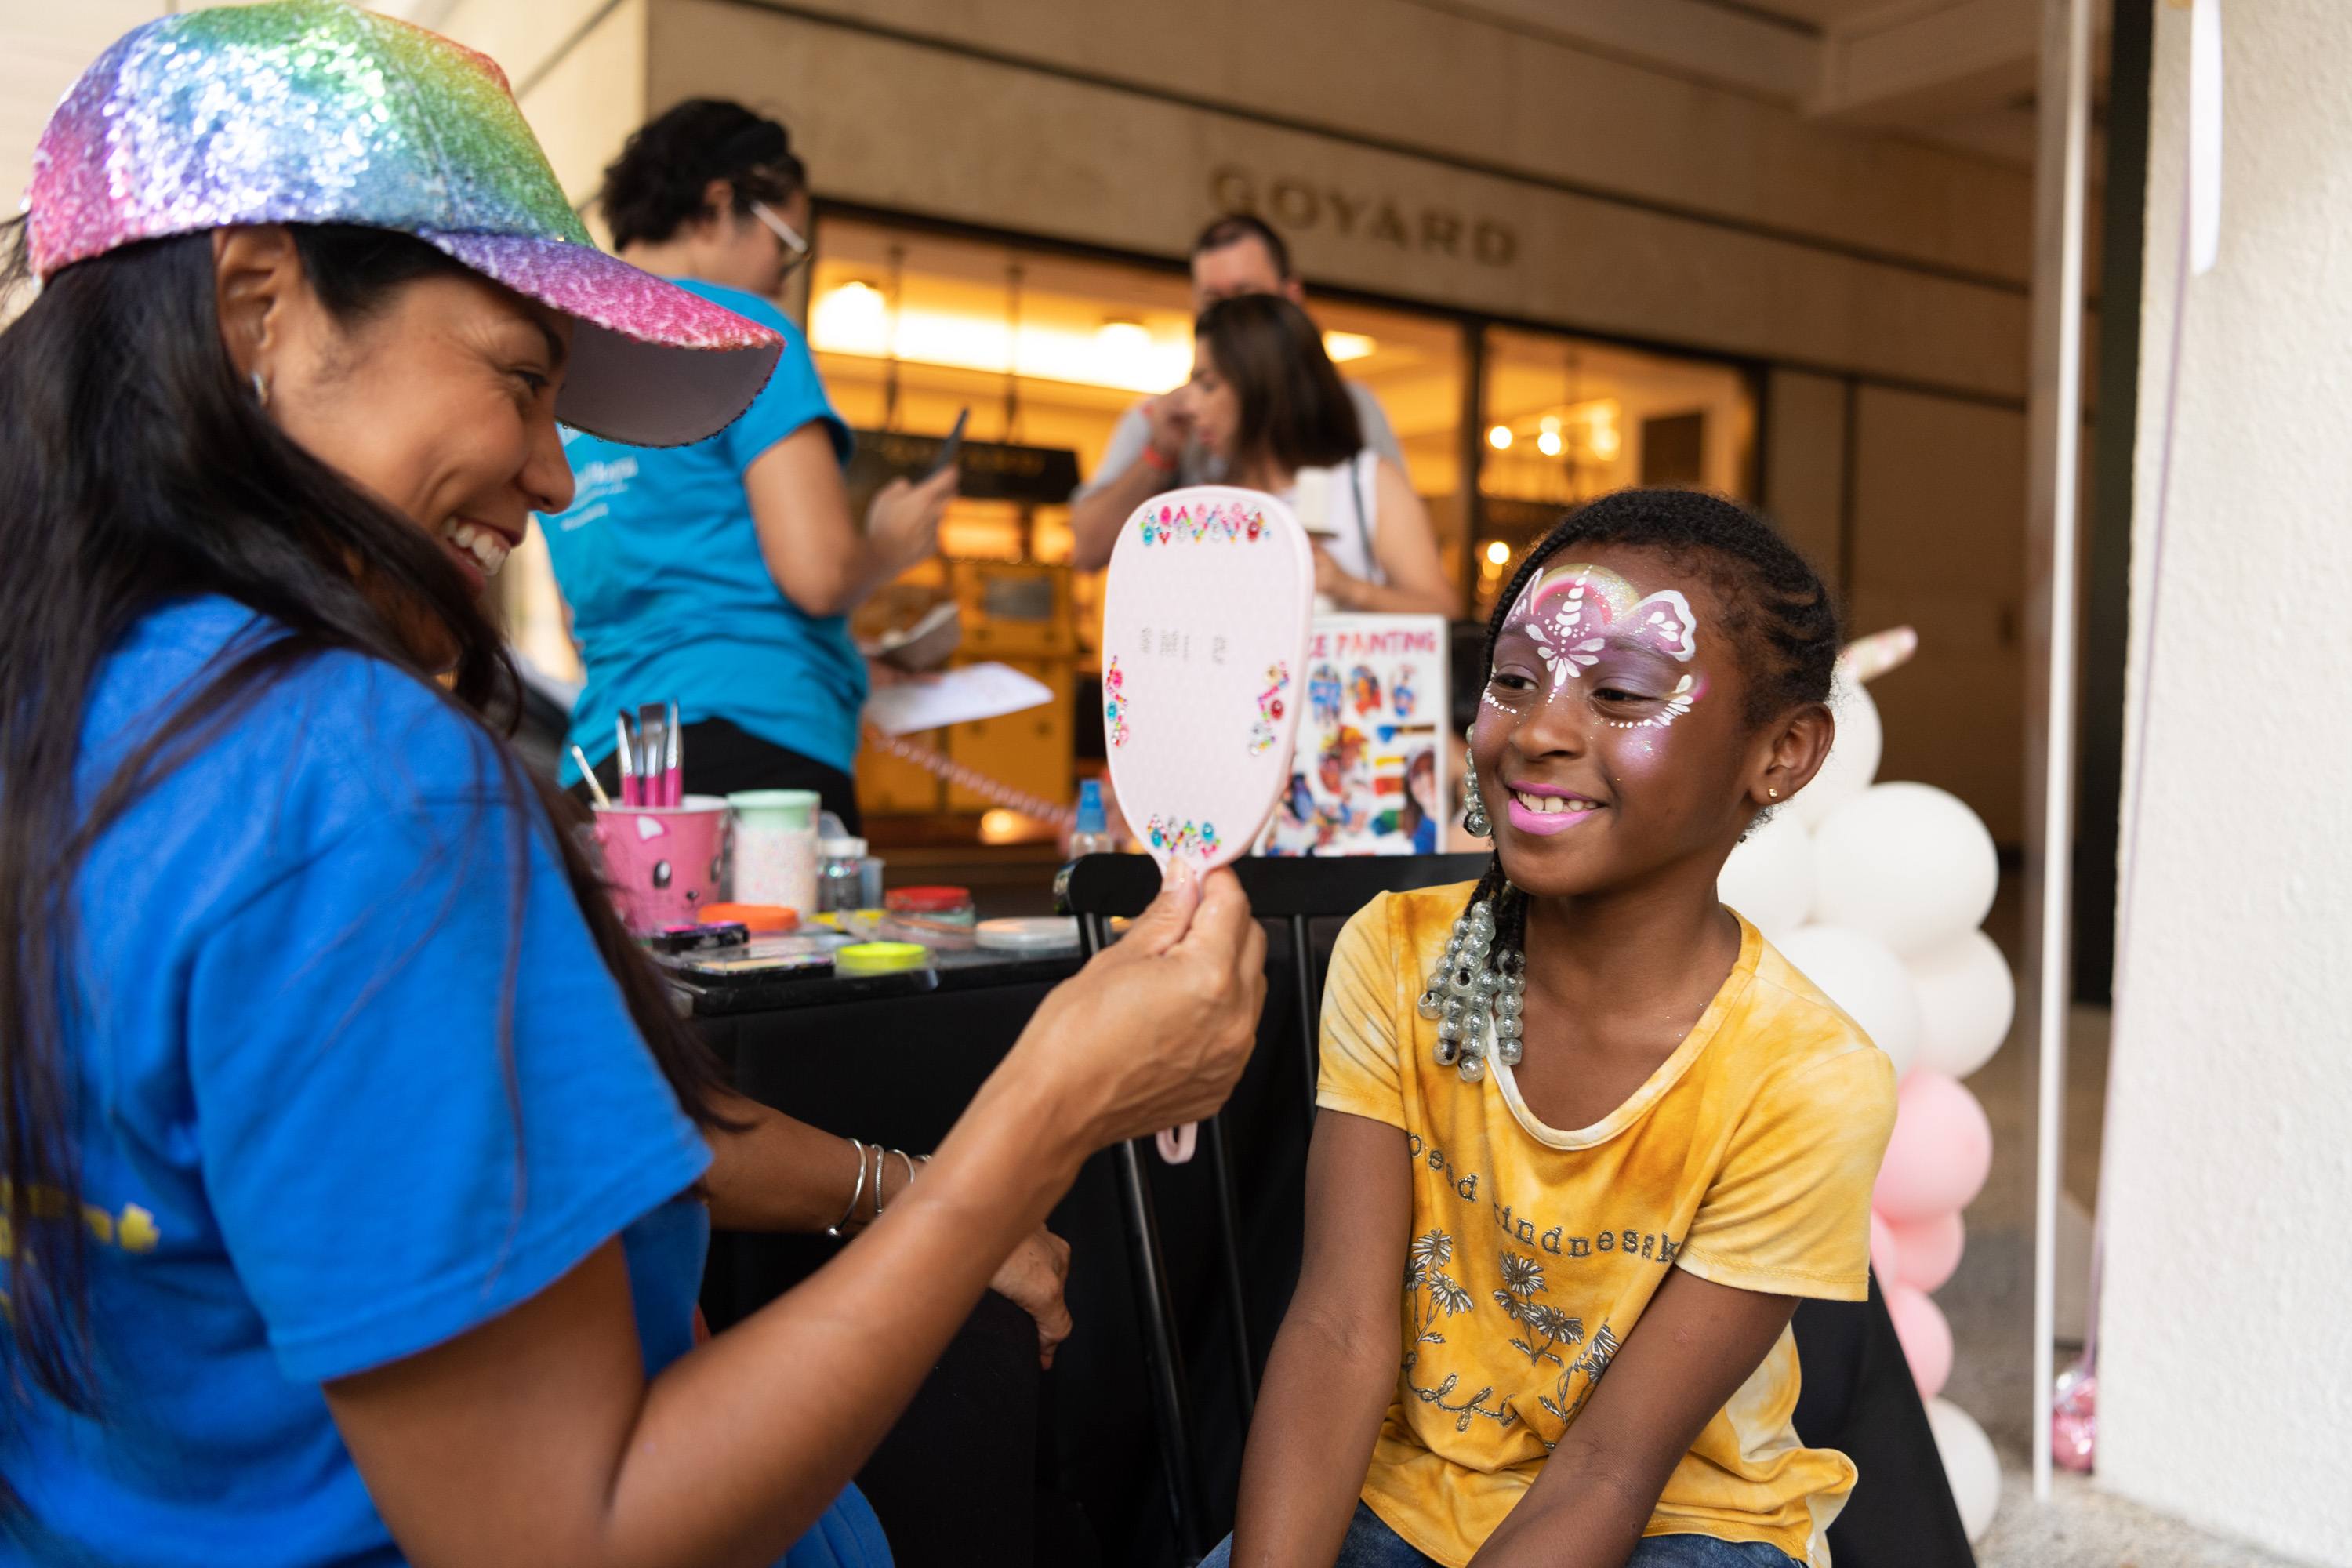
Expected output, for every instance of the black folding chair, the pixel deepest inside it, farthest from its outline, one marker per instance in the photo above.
(1858, 1394)
(1296, 892)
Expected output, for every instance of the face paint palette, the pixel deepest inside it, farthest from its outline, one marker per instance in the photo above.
(1205, 616)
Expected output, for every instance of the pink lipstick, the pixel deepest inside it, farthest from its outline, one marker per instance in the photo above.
(1544, 810)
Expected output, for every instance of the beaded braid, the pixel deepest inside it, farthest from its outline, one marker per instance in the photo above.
(1779, 614)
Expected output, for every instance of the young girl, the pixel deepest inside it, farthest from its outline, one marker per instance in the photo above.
(1580, 1119)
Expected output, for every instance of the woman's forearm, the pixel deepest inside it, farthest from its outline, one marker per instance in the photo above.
(1381, 598)
(1096, 518)
(743, 1442)
(1327, 1386)
(536, 1436)
(779, 1174)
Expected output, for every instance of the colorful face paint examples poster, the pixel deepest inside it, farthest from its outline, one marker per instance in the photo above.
(1369, 774)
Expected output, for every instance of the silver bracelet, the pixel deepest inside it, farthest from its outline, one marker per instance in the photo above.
(882, 1158)
(855, 1192)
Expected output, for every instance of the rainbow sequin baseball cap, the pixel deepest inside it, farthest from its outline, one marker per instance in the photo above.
(317, 111)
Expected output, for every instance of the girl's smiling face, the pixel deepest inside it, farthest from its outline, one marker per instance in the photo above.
(1613, 740)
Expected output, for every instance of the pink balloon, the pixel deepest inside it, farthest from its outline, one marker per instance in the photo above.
(1928, 1250)
(1927, 1338)
(1885, 1252)
(1941, 1153)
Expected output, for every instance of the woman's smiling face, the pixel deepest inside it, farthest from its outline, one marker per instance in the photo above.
(437, 399)
(1612, 738)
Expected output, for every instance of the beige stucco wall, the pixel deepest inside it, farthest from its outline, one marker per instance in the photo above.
(1477, 84)
(913, 127)
(2224, 1358)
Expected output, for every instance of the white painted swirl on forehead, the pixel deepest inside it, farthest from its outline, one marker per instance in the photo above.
(1593, 605)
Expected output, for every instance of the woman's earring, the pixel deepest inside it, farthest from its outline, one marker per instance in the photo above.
(1773, 792)
(261, 389)
(1473, 804)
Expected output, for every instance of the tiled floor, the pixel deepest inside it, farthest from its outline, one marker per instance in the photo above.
(2083, 1527)
(1989, 1306)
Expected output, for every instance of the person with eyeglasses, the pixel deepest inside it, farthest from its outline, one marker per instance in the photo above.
(721, 574)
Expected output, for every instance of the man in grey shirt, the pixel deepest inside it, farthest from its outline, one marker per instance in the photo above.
(1152, 447)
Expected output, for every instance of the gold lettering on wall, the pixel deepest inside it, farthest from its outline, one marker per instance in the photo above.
(1295, 204)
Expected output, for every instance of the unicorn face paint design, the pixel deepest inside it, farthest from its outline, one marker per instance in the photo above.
(1574, 614)
(1611, 733)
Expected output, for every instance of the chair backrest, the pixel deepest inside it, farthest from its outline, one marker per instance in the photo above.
(1279, 886)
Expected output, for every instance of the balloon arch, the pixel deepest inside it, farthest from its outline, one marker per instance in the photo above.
(1877, 891)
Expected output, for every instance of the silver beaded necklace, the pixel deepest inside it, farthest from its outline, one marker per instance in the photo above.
(1477, 995)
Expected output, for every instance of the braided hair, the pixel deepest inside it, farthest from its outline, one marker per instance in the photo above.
(1779, 614)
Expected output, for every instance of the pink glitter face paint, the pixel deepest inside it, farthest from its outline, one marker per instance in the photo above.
(1574, 615)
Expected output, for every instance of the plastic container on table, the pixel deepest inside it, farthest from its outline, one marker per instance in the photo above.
(942, 918)
(1092, 835)
(662, 864)
(1035, 933)
(879, 958)
(848, 877)
(776, 848)
(942, 905)
(760, 919)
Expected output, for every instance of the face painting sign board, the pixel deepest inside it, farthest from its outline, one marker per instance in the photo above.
(1368, 776)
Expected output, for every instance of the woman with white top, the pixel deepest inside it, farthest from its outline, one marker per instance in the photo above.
(1265, 398)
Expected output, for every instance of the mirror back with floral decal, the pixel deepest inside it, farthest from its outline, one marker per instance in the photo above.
(1206, 609)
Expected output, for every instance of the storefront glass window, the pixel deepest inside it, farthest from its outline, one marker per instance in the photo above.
(912, 327)
(1564, 419)
(1048, 351)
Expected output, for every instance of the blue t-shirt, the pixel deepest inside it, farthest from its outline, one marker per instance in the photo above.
(671, 600)
(299, 1156)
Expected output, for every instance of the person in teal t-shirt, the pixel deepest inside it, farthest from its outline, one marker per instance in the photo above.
(721, 575)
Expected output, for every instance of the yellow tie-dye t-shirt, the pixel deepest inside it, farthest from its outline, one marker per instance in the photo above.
(1748, 1159)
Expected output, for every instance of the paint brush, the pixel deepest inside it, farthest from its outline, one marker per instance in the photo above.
(580, 761)
(652, 748)
(673, 761)
(627, 754)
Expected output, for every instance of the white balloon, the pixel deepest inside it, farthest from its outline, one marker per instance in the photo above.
(1858, 973)
(1907, 862)
(1967, 999)
(1970, 1466)
(1770, 877)
(1853, 757)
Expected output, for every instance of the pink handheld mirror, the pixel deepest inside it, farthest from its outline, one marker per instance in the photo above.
(1206, 610)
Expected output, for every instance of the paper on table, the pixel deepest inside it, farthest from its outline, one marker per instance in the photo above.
(954, 696)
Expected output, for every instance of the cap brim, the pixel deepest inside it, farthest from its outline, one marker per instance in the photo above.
(651, 364)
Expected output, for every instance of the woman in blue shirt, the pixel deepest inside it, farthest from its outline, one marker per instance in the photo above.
(356, 1171)
(721, 575)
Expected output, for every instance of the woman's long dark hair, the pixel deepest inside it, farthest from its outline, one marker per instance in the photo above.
(136, 469)
(1293, 407)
